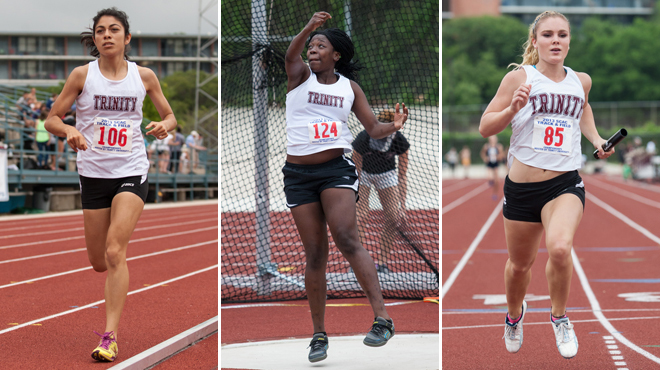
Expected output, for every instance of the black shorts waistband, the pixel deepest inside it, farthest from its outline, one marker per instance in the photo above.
(312, 167)
(542, 184)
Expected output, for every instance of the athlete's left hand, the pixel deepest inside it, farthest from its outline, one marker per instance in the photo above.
(159, 130)
(400, 118)
(598, 144)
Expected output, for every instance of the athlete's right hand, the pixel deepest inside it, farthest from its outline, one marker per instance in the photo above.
(75, 139)
(317, 20)
(520, 97)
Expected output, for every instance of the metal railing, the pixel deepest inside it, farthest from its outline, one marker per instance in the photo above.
(57, 162)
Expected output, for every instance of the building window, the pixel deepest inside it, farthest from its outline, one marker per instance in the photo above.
(4, 70)
(74, 47)
(4, 46)
(27, 45)
(27, 69)
(149, 47)
(52, 46)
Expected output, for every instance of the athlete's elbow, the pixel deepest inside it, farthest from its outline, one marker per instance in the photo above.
(483, 130)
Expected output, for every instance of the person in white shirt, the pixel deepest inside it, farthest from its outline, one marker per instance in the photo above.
(111, 158)
(547, 106)
(320, 184)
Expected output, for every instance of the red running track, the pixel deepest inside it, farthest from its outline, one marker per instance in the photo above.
(617, 246)
(51, 300)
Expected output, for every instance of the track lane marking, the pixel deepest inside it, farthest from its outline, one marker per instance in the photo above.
(130, 241)
(546, 322)
(11, 246)
(90, 267)
(465, 198)
(461, 264)
(103, 300)
(595, 305)
(625, 193)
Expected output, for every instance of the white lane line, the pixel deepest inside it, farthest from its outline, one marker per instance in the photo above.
(623, 218)
(457, 186)
(545, 322)
(103, 300)
(461, 264)
(481, 312)
(143, 220)
(616, 355)
(40, 242)
(595, 305)
(147, 207)
(625, 193)
(130, 242)
(464, 198)
(90, 267)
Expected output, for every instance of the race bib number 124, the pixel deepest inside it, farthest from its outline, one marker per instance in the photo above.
(113, 136)
(322, 132)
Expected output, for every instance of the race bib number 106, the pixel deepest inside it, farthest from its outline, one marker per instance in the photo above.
(322, 132)
(113, 136)
(553, 135)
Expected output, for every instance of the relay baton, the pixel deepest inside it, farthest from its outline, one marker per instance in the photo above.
(611, 142)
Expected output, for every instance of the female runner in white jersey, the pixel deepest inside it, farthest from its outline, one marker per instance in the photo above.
(112, 162)
(321, 185)
(547, 105)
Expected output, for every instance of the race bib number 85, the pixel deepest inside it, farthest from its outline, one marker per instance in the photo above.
(323, 132)
(553, 135)
(113, 136)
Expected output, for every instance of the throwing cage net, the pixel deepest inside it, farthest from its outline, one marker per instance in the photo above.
(397, 43)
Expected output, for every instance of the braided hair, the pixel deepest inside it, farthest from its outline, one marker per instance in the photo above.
(344, 46)
(88, 37)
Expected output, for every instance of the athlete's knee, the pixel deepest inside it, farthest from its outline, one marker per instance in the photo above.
(520, 268)
(559, 250)
(347, 242)
(316, 261)
(115, 255)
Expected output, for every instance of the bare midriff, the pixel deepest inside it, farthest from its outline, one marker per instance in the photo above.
(316, 158)
(521, 173)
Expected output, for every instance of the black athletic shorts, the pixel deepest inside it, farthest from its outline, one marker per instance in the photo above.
(304, 183)
(524, 201)
(98, 193)
(493, 164)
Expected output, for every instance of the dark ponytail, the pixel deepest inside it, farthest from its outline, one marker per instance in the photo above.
(344, 46)
(88, 37)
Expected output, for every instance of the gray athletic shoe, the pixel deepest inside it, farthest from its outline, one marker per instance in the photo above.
(381, 331)
(319, 348)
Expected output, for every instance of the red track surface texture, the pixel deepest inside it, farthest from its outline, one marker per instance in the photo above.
(618, 258)
(52, 250)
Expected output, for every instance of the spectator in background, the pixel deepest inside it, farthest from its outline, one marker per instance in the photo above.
(377, 168)
(162, 149)
(23, 102)
(43, 140)
(492, 153)
(466, 159)
(452, 158)
(175, 149)
(194, 144)
(51, 101)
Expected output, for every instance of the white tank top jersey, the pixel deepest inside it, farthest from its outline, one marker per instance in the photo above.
(317, 116)
(109, 115)
(546, 131)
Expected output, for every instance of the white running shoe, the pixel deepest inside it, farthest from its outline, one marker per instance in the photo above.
(513, 333)
(567, 342)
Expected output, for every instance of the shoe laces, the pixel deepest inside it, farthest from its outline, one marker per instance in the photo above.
(379, 329)
(316, 344)
(510, 331)
(565, 331)
(106, 339)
